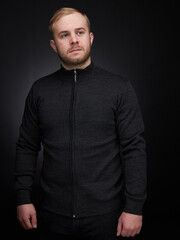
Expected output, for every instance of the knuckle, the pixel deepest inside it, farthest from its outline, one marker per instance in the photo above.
(124, 233)
(127, 228)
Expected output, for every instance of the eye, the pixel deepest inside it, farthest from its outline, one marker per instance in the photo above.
(65, 35)
(80, 33)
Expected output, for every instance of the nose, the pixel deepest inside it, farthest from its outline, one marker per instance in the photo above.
(73, 39)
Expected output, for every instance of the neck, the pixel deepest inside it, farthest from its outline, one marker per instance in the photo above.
(76, 66)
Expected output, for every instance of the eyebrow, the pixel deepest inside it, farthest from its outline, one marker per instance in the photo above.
(81, 28)
(76, 29)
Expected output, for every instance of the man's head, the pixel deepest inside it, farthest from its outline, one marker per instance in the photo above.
(71, 38)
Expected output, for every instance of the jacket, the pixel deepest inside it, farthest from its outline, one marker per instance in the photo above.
(91, 130)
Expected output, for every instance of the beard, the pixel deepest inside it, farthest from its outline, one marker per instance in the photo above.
(75, 61)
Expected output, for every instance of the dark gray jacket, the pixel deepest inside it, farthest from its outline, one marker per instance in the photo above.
(91, 130)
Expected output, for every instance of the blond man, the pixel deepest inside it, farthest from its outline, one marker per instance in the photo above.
(89, 123)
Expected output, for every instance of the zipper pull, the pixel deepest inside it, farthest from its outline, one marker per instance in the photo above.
(75, 75)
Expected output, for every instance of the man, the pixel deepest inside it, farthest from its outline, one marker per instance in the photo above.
(89, 123)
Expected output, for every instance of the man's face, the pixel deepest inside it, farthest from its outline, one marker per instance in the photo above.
(72, 41)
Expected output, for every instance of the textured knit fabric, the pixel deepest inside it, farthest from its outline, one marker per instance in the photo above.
(91, 129)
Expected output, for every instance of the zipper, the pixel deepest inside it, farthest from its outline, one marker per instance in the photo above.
(72, 118)
(75, 76)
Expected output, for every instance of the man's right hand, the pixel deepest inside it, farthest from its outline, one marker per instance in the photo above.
(26, 215)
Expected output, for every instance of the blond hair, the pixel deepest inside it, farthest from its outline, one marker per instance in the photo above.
(63, 12)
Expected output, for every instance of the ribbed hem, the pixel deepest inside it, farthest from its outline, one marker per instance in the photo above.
(23, 197)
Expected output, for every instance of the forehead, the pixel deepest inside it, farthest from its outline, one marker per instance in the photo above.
(70, 22)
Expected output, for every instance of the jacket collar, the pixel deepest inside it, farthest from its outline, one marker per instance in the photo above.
(85, 70)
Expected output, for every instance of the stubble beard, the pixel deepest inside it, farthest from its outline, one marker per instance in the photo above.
(76, 62)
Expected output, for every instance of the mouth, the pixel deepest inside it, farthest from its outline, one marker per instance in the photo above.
(74, 50)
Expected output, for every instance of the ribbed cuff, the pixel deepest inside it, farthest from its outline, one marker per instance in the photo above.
(134, 206)
(23, 197)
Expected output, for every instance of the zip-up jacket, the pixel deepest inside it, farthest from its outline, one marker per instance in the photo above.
(91, 129)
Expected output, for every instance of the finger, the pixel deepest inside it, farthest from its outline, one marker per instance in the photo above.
(26, 223)
(133, 233)
(139, 230)
(22, 223)
(34, 221)
(124, 232)
(119, 228)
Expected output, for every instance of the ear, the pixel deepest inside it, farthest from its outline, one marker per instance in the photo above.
(91, 37)
(53, 45)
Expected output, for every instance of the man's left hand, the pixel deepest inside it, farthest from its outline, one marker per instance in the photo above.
(129, 225)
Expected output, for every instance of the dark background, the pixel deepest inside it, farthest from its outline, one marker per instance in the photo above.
(132, 38)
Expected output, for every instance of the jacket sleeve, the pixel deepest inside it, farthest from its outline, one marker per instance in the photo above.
(28, 146)
(133, 150)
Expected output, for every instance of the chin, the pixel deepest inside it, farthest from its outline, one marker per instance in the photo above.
(77, 61)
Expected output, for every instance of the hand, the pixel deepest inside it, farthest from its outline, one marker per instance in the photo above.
(129, 225)
(26, 214)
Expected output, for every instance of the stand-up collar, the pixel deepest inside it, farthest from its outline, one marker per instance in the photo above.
(84, 70)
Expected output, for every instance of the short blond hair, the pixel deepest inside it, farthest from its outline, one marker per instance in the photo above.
(63, 12)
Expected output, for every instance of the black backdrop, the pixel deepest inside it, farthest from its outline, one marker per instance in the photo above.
(132, 38)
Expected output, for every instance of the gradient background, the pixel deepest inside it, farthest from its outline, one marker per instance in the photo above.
(132, 38)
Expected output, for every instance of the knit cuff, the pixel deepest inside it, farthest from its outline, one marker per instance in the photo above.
(134, 206)
(23, 197)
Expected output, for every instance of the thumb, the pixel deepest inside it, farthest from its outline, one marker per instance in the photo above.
(34, 220)
(119, 227)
